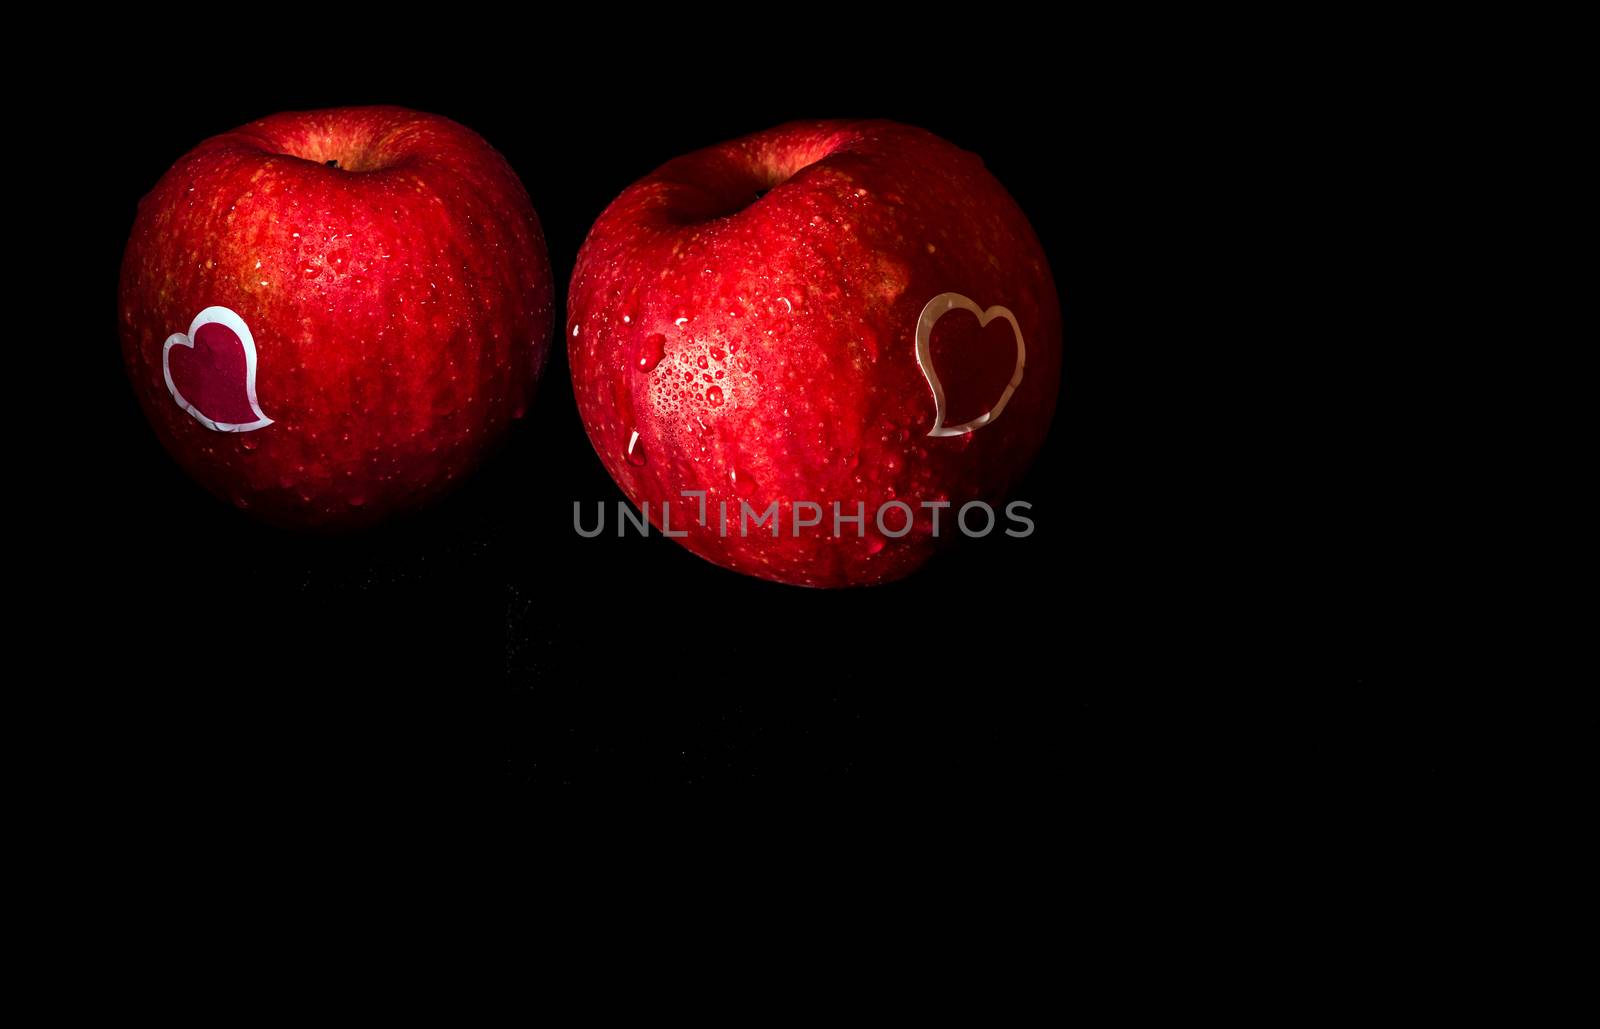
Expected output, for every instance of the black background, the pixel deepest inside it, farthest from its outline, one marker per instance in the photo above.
(482, 646)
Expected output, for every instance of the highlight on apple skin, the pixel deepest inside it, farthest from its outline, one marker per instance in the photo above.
(745, 323)
(330, 316)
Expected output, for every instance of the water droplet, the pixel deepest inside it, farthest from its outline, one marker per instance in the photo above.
(651, 350)
(875, 543)
(714, 396)
(357, 500)
(635, 454)
(249, 443)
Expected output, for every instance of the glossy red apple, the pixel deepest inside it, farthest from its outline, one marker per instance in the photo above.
(329, 316)
(850, 313)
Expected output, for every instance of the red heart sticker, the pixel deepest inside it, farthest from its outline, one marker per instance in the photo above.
(211, 372)
(937, 308)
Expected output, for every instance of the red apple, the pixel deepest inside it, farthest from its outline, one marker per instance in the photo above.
(824, 313)
(329, 316)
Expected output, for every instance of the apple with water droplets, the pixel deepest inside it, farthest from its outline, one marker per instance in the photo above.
(330, 316)
(848, 327)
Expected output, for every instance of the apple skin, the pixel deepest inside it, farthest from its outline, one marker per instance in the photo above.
(400, 303)
(762, 345)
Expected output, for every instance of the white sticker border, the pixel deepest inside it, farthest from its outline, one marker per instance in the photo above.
(240, 329)
(937, 308)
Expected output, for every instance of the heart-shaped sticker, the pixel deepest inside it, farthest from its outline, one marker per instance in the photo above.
(937, 308)
(212, 373)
